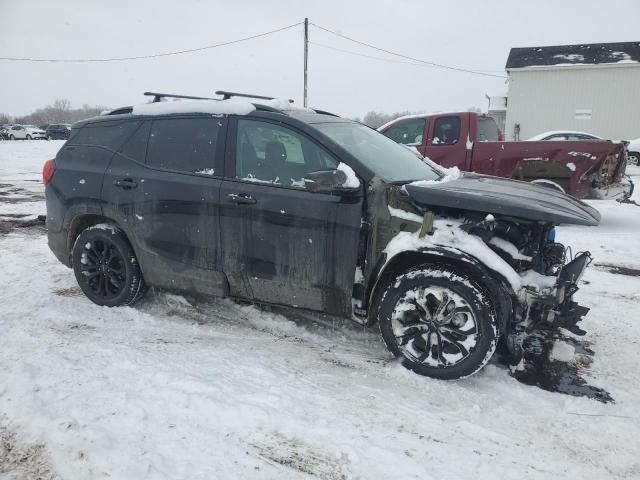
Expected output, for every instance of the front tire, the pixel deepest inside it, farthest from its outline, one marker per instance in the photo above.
(11, 137)
(106, 267)
(633, 158)
(439, 322)
(28, 137)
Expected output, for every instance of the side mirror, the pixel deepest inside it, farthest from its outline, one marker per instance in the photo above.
(327, 181)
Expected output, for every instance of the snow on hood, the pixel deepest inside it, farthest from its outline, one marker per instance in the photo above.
(232, 106)
(450, 174)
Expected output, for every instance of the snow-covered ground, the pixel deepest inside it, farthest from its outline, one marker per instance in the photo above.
(172, 389)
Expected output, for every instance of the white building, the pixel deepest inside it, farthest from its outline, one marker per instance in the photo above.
(593, 88)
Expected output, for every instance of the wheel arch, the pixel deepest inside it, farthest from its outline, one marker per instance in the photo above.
(494, 285)
(82, 221)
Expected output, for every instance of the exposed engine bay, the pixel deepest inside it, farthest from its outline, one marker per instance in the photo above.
(531, 277)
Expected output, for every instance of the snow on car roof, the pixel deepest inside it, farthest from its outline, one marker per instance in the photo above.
(232, 106)
(543, 135)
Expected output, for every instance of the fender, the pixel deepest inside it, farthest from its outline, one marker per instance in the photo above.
(497, 286)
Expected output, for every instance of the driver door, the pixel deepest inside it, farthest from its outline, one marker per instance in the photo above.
(281, 243)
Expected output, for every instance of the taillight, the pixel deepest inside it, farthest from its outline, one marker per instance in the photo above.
(500, 136)
(47, 171)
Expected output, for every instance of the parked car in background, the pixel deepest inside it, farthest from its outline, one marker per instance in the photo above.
(17, 132)
(564, 135)
(58, 131)
(471, 142)
(304, 209)
(35, 133)
(633, 152)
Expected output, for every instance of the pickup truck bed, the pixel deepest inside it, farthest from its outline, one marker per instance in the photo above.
(586, 168)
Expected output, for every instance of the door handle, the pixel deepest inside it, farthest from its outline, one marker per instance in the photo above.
(241, 199)
(125, 183)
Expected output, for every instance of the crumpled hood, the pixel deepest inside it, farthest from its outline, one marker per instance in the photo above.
(502, 196)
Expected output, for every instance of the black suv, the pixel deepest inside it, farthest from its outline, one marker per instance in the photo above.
(58, 131)
(301, 208)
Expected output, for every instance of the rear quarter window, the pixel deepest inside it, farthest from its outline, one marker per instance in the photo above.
(487, 130)
(110, 135)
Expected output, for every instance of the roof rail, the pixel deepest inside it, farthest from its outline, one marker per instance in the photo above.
(324, 112)
(120, 111)
(157, 97)
(227, 95)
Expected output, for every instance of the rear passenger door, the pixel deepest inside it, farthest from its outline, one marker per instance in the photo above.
(281, 243)
(165, 181)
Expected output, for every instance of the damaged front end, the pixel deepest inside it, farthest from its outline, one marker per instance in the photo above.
(531, 278)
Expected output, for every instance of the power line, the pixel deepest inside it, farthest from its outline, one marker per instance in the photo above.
(365, 55)
(142, 57)
(351, 52)
(426, 62)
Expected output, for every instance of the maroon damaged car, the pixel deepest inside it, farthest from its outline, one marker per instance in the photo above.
(472, 142)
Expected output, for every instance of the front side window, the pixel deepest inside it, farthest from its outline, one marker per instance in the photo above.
(266, 152)
(446, 131)
(408, 132)
(184, 144)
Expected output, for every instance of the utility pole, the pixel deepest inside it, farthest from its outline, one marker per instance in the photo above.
(306, 57)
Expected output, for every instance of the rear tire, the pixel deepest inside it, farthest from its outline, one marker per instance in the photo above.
(106, 267)
(439, 322)
(28, 137)
(633, 158)
(11, 137)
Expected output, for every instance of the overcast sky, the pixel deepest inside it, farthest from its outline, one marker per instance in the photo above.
(471, 34)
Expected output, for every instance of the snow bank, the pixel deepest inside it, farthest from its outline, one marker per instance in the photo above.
(232, 106)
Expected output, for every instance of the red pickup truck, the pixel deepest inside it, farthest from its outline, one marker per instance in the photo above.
(473, 142)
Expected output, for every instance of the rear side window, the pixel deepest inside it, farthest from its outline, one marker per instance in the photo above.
(446, 131)
(104, 134)
(136, 147)
(184, 144)
(487, 130)
(409, 132)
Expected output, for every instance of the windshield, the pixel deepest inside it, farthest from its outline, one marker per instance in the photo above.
(388, 160)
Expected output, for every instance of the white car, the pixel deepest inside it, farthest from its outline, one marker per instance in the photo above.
(564, 135)
(26, 132)
(633, 152)
(35, 133)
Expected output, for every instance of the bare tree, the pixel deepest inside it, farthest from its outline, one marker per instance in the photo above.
(60, 112)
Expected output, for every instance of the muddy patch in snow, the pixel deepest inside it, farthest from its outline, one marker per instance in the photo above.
(21, 460)
(294, 454)
(12, 194)
(9, 223)
(557, 363)
(68, 292)
(619, 269)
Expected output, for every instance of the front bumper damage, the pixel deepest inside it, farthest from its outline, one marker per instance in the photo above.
(552, 308)
(620, 191)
